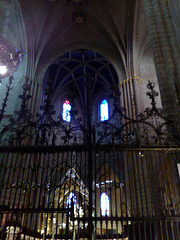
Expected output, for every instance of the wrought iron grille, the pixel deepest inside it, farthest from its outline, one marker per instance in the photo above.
(36, 182)
(54, 173)
(151, 127)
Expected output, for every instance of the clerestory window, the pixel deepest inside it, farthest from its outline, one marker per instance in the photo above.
(104, 110)
(66, 111)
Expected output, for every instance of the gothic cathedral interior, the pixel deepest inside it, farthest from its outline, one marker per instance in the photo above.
(89, 119)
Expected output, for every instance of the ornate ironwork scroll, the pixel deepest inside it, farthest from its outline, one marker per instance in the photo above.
(151, 126)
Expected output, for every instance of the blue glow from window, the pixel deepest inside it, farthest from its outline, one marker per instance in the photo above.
(104, 111)
(104, 204)
(71, 196)
(66, 111)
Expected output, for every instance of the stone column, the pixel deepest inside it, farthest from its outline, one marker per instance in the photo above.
(163, 57)
(173, 44)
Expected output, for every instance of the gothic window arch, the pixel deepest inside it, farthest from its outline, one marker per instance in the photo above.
(104, 110)
(66, 111)
(104, 203)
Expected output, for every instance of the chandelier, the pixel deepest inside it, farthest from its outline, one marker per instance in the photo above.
(9, 58)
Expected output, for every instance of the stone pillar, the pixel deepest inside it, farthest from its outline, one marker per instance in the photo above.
(173, 44)
(163, 56)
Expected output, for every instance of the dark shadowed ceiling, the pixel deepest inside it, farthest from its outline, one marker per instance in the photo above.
(81, 69)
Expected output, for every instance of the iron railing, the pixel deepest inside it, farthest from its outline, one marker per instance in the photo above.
(116, 179)
(141, 184)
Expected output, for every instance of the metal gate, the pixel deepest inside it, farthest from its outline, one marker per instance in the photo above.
(81, 193)
(116, 179)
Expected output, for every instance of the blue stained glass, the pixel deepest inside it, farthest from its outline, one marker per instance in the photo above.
(66, 111)
(73, 197)
(104, 111)
(104, 204)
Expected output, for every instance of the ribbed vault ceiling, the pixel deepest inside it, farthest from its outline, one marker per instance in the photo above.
(79, 70)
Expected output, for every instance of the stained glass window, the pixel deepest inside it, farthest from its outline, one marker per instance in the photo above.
(104, 204)
(71, 196)
(104, 111)
(66, 111)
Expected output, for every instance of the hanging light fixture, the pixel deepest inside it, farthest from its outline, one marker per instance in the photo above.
(3, 69)
(9, 58)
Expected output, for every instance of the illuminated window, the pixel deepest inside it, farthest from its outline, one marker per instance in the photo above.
(3, 69)
(66, 111)
(104, 204)
(71, 197)
(104, 111)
